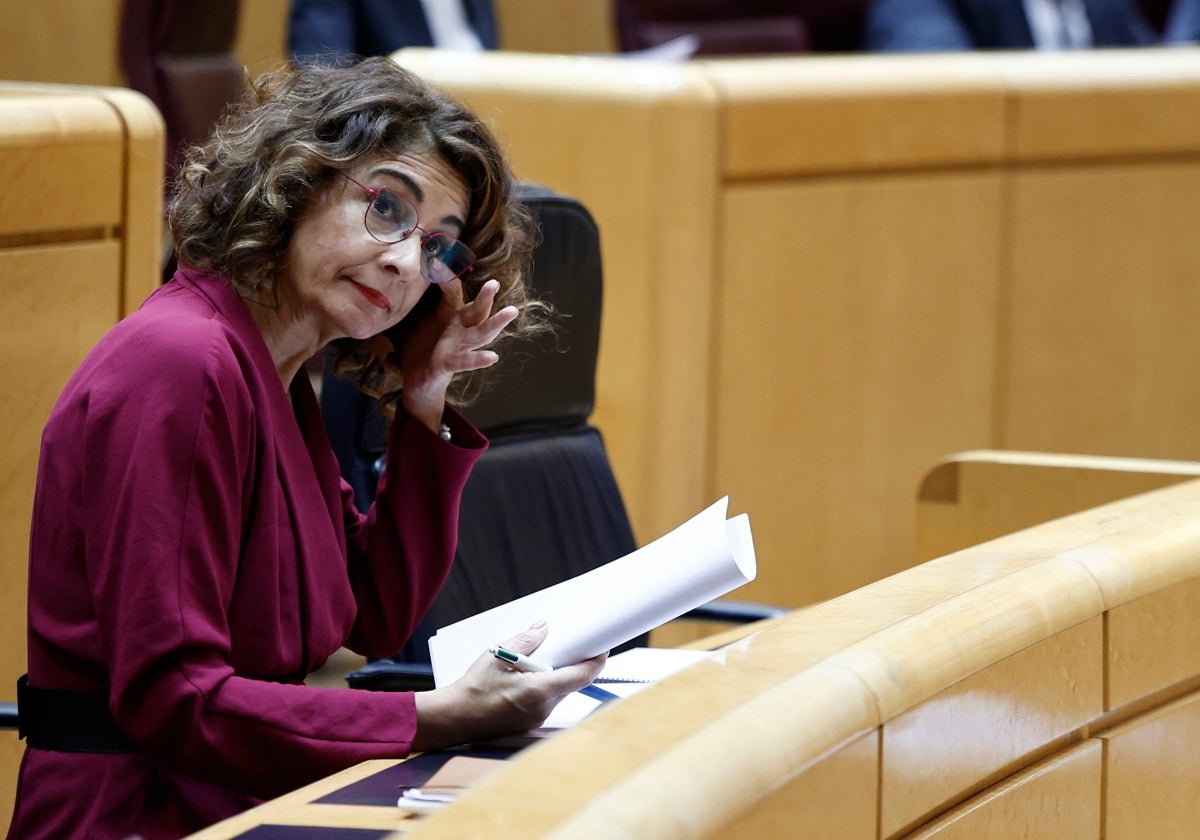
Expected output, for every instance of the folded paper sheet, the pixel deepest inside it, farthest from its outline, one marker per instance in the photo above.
(702, 559)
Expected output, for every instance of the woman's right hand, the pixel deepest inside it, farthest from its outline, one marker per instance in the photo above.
(452, 339)
(492, 700)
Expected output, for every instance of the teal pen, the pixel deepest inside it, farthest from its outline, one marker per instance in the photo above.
(521, 662)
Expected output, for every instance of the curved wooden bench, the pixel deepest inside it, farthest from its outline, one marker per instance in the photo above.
(1047, 680)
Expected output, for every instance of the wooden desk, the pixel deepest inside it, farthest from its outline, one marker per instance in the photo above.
(301, 808)
(1044, 683)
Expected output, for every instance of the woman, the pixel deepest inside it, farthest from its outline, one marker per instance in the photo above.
(194, 553)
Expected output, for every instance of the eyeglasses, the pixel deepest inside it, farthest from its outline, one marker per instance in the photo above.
(391, 218)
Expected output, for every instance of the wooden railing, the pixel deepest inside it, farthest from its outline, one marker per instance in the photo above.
(971, 497)
(1046, 683)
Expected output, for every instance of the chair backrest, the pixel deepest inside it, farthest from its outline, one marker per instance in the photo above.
(743, 27)
(722, 27)
(542, 504)
(181, 55)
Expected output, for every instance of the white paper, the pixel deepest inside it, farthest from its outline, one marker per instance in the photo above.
(575, 707)
(647, 664)
(704, 558)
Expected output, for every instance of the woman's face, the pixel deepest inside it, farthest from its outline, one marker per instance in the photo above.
(343, 282)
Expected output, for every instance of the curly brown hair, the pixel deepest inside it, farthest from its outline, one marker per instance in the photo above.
(237, 197)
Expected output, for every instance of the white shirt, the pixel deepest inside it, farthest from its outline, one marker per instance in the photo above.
(1059, 24)
(448, 26)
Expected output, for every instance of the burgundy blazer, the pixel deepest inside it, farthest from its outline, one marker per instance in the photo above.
(195, 553)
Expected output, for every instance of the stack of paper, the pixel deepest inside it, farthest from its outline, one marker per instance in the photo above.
(647, 665)
(705, 558)
(624, 674)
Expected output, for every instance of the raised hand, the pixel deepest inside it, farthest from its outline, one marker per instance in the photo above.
(449, 341)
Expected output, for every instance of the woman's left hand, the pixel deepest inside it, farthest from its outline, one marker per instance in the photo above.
(450, 341)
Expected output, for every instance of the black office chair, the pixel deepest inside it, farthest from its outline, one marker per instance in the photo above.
(542, 504)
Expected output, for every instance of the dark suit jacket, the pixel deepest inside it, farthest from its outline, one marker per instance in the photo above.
(946, 25)
(1183, 23)
(343, 28)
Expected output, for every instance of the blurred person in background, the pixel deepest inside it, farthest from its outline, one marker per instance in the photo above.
(336, 30)
(960, 25)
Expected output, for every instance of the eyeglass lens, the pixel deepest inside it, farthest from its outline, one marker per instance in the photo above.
(391, 218)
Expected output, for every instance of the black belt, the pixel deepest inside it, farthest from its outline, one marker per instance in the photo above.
(68, 721)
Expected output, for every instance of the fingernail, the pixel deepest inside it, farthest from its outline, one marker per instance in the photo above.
(538, 625)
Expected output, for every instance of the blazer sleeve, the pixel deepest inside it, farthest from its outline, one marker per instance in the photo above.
(401, 552)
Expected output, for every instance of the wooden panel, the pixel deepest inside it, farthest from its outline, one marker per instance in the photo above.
(834, 800)
(1153, 768)
(851, 312)
(973, 497)
(1059, 798)
(61, 162)
(59, 301)
(782, 117)
(1153, 642)
(11, 751)
(1104, 103)
(637, 145)
(64, 41)
(102, 148)
(262, 32)
(76, 41)
(1101, 334)
(142, 228)
(556, 26)
(1004, 713)
(838, 113)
